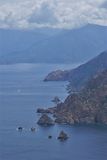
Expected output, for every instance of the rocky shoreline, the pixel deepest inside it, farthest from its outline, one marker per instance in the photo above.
(86, 107)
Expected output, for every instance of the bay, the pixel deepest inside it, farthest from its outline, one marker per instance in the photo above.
(22, 91)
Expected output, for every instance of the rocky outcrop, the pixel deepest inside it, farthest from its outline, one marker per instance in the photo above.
(45, 120)
(62, 136)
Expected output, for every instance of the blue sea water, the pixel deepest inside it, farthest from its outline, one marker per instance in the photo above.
(22, 91)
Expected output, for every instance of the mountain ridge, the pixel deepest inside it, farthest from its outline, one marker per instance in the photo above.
(68, 46)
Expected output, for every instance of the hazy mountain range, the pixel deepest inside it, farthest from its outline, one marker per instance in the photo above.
(12, 40)
(52, 46)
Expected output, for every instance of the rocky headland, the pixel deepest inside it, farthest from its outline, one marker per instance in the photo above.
(79, 76)
(58, 75)
(89, 106)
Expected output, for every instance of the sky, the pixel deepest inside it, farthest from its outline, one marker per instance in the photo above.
(64, 14)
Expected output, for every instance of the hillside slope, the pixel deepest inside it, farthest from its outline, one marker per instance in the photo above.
(78, 77)
(18, 40)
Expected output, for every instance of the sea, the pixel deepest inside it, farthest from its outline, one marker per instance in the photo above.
(22, 91)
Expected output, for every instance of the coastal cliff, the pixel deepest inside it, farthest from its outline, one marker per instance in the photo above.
(89, 106)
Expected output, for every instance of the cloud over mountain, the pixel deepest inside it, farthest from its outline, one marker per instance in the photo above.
(52, 13)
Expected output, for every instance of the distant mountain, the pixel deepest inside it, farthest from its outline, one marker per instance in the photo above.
(86, 107)
(78, 77)
(18, 40)
(67, 46)
(13, 42)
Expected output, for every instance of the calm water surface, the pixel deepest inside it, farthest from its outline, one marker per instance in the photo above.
(22, 91)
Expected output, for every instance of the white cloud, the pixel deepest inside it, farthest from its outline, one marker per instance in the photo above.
(52, 13)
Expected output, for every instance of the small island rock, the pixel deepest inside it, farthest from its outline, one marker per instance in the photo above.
(49, 137)
(62, 136)
(20, 128)
(33, 129)
(45, 120)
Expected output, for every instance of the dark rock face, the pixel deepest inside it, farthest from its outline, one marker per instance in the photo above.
(62, 136)
(64, 118)
(45, 120)
(88, 106)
